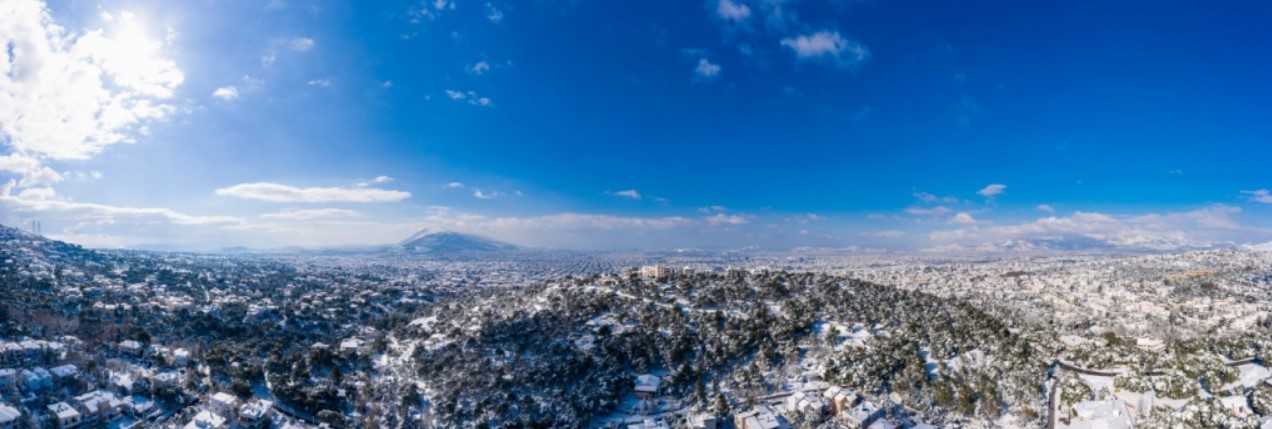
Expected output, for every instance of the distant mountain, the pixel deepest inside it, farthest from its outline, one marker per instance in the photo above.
(453, 243)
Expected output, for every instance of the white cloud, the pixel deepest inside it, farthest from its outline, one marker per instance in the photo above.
(629, 194)
(311, 214)
(68, 95)
(828, 44)
(493, 13)
(301, 44)
(377, 180)
(706, 69)
(992, 190)
(725, 219)
(1259, 196)
(963, 218)
(1205, 226)
(323, 83)
(471, 97)
(430, 9)
(1046, 208)
(732, 11)
(455, 185)
(44, 202)
(478, 194)
(227, 93)
(30, 171)
(279, 193)
(928, 211)
(479, 68)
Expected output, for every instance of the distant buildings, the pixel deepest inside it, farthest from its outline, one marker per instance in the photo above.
(655, 272)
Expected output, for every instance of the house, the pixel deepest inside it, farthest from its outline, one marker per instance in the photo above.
(703, 421)
(137, 406)
(180, 357)
(8, 416)
(64, 415)
(130, 348)
(206, 420)
(224, 404)
(166, 380)
(349, 347)
(124, 382)
(647, 386)
(256, 414)
(36, 379)
(99, 406)
(64, 373)
(761, 417)
(809, 405)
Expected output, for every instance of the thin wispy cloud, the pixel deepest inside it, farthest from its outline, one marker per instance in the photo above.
(470, 97)
(630, 194)
(493, 13)
(279, 193)
(311, 214)
(730, 10)
(1262, 196)
(301, 44)
(992, 190)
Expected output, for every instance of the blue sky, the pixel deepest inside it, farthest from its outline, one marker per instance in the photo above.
(721, 123)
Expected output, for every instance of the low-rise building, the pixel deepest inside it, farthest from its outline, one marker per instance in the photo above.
(36, 379)
(64, 373)
(224, 404)
(130, 348)
(64, 415)
(256, 414)
(99, 406)
(206, 420)
(761, 417)
(647, 386)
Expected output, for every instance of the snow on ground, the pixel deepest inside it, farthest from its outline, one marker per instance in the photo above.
(1097, 382)
(1251, 375)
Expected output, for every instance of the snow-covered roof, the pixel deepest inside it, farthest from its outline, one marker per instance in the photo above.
(64, 371)
(63, 411)
(224, 398)
(206, 420)
(8, 413)
(647, 383)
